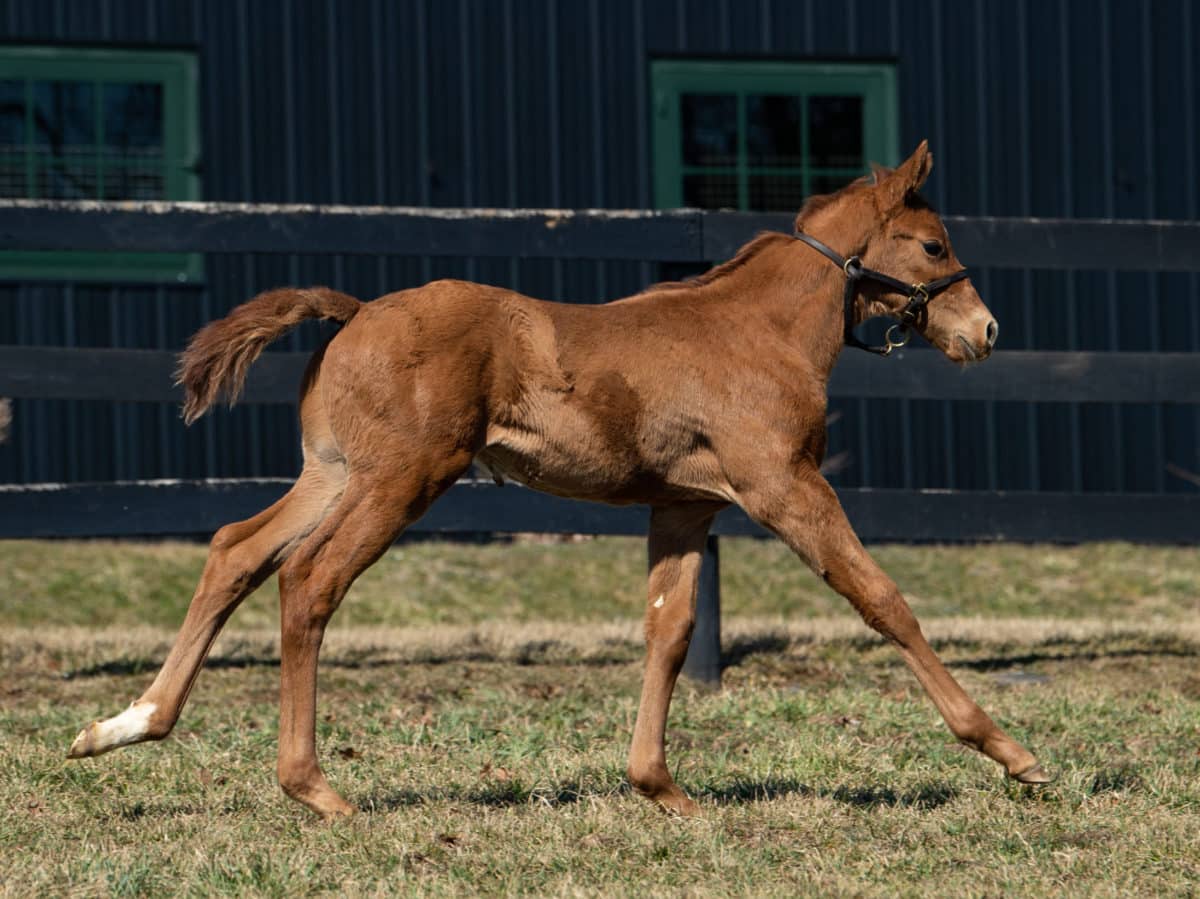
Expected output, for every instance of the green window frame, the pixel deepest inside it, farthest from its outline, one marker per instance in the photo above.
(874, 83)
(176, 73)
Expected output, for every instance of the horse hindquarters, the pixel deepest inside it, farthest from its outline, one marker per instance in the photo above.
(241, 556)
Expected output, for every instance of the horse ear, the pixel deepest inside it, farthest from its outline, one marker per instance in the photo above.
(908, 177)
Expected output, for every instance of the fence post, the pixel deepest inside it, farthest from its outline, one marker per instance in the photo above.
(703, 662)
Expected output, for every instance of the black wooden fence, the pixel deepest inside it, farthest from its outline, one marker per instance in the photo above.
(159, 508)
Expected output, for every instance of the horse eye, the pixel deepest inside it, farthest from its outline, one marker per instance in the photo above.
(932, 247)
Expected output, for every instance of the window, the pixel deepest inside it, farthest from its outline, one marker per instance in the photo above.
(84, 124)
(766, 135)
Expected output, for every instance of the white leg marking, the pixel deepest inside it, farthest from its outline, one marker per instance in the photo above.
(658, 603)
(130, 726)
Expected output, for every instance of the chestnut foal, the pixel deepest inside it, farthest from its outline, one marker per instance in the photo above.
(687, 397)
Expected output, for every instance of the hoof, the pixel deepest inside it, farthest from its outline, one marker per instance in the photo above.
(1035, 775)
(679, 806)
(99, 737)
(338, 813)
(84, 744)
(320, 798)
(673, 801)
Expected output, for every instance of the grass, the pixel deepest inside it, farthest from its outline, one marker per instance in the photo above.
(101, 583)
(477, 703)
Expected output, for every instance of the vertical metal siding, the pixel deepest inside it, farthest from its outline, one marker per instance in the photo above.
(1068, 107)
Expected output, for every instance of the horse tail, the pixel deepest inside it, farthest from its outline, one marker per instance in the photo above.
(219, 355)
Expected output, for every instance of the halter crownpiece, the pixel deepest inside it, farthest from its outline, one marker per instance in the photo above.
(918, 295)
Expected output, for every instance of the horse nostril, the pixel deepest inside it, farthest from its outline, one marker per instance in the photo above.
(993, 331)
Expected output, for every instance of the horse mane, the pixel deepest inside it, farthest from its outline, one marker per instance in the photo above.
(811, 206)
(817, 202)
(743, 256)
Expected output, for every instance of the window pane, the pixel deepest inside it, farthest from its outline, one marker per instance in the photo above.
(711, 191)
(133, 142)
(771, 193)
(773, 130)
(64, 114)
(133, 115)
(709, 128)
(12, 139)
(81, 136)
(12, 113)
(64, 132)
(835, 132)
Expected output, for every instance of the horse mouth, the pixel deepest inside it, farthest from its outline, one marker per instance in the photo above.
(970, 353)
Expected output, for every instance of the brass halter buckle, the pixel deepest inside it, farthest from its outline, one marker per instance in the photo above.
(891, 342)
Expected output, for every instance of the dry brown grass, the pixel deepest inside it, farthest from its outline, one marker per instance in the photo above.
(524, 642)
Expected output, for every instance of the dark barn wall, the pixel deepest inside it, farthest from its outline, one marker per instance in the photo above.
(1068, 108)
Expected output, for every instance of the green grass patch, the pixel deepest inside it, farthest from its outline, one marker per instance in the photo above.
(477, 704)
(104, 583)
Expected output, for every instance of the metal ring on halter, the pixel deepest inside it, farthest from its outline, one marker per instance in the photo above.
(892, 343)
(852, 262)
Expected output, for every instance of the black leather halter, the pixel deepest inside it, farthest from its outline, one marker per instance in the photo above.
(918, 295)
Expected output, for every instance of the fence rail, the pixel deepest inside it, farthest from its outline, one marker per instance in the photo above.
(162, 508)
(147, 376)
(686, 235)
(171, 508)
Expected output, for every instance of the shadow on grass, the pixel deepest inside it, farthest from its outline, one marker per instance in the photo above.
(1115, 780)
(508, 795)
(734, 654)
(739, 649)
(1058, 654)
(124, 667)
(160, 810)
(925, 797)
(512, 794)
(498, 795)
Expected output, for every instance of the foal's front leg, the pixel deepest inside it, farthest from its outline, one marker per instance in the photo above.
(677, 535)
(810, 520)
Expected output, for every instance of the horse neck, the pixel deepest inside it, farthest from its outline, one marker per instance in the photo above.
(798, 294)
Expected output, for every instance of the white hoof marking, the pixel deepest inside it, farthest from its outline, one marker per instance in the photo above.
(130, 726)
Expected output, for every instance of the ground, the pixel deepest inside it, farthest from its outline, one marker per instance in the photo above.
(477, 704)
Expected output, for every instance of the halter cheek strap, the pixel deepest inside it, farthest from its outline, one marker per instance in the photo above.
(918, 295)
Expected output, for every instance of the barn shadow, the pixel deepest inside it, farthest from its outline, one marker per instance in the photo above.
(1082, 653)
(534, 656)
(1058, 651)
(739, 649)
(124, 667)
(736, 652)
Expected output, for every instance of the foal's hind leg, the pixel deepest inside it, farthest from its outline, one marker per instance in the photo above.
(677, 536)
(375, 508)
(241, 556)
(812, 522)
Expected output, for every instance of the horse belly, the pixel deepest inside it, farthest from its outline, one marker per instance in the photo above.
(552, 467)
(585, 469)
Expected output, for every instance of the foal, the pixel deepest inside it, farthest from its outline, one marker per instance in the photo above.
(687, 397)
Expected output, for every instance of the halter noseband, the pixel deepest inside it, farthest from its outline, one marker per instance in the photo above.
(918, 295)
